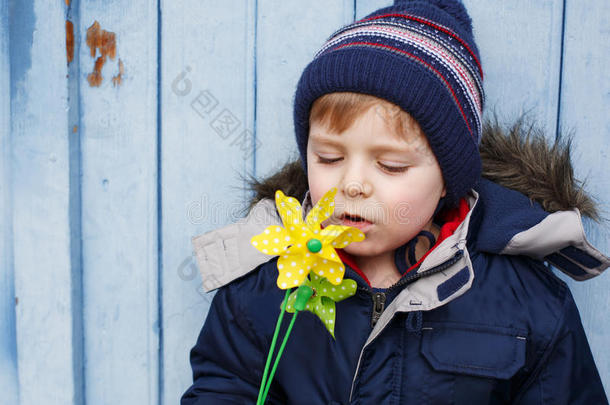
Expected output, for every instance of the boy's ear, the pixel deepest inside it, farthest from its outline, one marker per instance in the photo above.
(444, 193)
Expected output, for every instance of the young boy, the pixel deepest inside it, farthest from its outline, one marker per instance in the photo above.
(454, 303)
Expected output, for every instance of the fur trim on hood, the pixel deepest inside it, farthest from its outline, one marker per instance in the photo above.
(518, 157)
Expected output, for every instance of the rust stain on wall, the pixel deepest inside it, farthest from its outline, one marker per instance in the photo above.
(69, 40)
(74, 128)
(104, 41)
(67, 3)
(116, 80)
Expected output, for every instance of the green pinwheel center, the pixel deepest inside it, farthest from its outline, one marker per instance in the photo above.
(314, 245)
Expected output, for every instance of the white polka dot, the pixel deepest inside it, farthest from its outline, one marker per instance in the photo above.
(266, 242)
(332, 289)
(334, 243)
(292, 228)
(341, 296)
(349, 234)
(322, 272)
(288, 274)
(343, 287)
(332, 255)
(338, 279)
(275, 250)
(299, 245)
(278, 229)
(323, 311)
(303, 234)
(331, 310)
(307, 255)
(276, 240)
(287, 238)
(267, 231)
(255, 243)
(296, 282)
(330, 321)
(293, 264)
(283, 285)
(332, 204)
(332, 269)
(265, 251)
(325, 261)
(289, 307)
(301, 271)
(296, 221)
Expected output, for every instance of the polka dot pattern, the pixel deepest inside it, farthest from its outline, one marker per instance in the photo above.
(323, 209)
(273, 239)
(323, 303)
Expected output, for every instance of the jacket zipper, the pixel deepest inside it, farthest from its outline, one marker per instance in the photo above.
(378, 306)
(379, 298)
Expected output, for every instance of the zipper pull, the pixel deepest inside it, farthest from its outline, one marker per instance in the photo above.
(378, 305)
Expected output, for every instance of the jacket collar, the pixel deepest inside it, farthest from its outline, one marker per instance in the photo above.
(504, 222)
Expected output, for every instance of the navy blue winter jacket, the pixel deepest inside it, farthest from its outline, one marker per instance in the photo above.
(483, 320)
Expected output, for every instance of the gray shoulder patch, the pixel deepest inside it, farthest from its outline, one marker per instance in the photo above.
(226, 253)
(560, 239)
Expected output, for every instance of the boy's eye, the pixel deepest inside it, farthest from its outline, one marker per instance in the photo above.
(394, 169)
(326, 160)
(391, 169)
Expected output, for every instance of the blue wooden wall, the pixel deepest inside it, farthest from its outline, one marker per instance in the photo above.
(102, 185)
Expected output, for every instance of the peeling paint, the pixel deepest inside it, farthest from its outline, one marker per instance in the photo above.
(105, 42)
(117, 80)
(69, 40)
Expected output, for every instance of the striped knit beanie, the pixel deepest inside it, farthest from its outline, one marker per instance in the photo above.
(421, 56)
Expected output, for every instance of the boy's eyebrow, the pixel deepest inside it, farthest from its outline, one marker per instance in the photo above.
(380, 147)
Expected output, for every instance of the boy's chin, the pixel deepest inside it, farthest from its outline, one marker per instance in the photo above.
(363, 249)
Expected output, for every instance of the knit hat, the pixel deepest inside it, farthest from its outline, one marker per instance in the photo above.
(421, 56)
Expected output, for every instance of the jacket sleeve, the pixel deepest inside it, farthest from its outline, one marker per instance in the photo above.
(227, 360)
(566, 373)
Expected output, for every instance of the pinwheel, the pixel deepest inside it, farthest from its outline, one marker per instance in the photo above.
(305, 249)
(304, 246)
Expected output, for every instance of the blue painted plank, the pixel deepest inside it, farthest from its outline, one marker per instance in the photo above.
(520, 46)
(289, 34)
(585, 111)
(118, 134)
(207, 91)
(365, 7)
(42, 234)
(8, 343)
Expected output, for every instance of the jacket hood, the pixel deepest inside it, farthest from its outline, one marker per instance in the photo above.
(527, 203)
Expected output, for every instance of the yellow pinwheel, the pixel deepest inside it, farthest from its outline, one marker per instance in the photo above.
(304, 246)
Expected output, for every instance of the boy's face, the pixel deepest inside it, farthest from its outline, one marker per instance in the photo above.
(392, 181)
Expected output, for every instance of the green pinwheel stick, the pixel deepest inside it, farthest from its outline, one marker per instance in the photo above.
(303, 293)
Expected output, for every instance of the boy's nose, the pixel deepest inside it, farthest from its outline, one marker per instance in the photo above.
(355, 188)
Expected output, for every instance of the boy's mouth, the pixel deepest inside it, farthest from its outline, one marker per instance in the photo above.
(355, 221)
